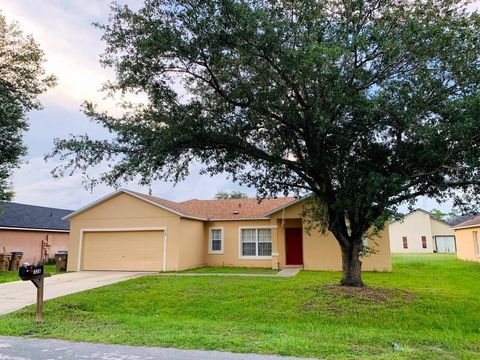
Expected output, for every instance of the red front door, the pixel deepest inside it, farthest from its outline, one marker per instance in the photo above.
(294, 246)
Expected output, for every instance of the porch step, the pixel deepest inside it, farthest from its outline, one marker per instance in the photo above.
(289, 272)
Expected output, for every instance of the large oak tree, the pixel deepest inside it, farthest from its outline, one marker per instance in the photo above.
(22, 80)
(364, 104)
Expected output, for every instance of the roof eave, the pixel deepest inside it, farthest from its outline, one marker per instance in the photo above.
(32, 229)
(465, 227)
(239, 219)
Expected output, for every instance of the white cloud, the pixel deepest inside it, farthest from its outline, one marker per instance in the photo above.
(72, 46)
(34, 185)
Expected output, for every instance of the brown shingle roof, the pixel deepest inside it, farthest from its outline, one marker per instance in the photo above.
(220, 209)
(471, 222)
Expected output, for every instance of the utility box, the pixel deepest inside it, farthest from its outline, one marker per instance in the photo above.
(5, 261)
(15, 260)
(61, 259)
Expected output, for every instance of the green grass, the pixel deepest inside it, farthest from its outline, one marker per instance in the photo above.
(7, 276)
(429, 305)
(231, 270)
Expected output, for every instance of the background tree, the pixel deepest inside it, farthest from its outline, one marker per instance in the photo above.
(230, 195)
(22, 79)
(444, 215)
(364, 104)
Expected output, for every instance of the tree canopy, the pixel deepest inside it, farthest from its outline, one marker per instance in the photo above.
(22, 80)
(366, 104)
(230, 195)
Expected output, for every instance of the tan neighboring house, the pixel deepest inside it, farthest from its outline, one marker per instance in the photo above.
(467, 234)
(421, 232)
(127, 230)
(37, 231)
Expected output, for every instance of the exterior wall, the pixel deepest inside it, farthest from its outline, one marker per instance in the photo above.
(413, 226)
(322, 252)
(231, 244)
(465, 247)
(30, 243)
(125, 211)
(192, 245)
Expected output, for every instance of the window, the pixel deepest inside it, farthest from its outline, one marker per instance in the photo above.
(424, 242)
(255, 242)
(215, 245)
(476, 243)
(405, 242)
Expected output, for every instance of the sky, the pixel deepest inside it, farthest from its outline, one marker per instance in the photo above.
(72, 46)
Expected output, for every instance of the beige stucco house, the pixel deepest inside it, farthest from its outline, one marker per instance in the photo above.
(127, 230)
(421, 232)
(467, 234)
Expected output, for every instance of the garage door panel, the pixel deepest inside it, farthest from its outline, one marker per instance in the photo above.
(123, 250)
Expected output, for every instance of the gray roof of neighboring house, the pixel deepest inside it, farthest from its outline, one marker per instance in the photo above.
(424, 211)
(457, 220)
(14, 215)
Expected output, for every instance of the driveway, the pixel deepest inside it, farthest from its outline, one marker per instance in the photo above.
(15, 348)
(18, 294)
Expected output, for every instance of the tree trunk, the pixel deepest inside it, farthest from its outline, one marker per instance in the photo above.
(352, 266)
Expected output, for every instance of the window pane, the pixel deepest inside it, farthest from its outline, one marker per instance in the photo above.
(216, 234)
(264, 235)
(265, 249)
(248, 249)
(216, 245)
(248, 235)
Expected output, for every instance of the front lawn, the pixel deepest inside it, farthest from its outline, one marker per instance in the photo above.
(429, 306)
(7, 276)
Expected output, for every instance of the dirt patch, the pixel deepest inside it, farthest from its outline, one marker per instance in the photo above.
(374, 295)
(338, 299)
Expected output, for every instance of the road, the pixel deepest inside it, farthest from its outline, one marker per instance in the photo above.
(17, 348)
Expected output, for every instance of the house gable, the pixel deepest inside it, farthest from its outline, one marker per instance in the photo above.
(121, 206)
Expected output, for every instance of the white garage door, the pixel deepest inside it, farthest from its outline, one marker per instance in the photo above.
(445, 244)
(123, 250)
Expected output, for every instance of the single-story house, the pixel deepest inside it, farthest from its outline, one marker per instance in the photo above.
(39, 232)
(128, 230)
(467, 234)
(421, 232)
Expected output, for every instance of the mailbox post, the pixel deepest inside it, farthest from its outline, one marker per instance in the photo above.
(36, 274)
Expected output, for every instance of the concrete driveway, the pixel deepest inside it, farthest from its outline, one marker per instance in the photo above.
(18, 294)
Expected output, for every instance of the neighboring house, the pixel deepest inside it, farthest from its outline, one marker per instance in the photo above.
(39, 232)
(127, 230)
(467, 234)
(421, 232)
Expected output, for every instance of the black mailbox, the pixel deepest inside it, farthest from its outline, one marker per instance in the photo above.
(30, 272)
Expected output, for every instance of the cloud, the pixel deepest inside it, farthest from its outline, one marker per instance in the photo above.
(72, 47)
(34, 185)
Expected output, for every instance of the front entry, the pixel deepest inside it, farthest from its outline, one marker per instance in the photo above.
(294, 246)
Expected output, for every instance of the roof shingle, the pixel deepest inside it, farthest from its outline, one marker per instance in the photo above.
(17, 215)
(470, 222)
(221, 209)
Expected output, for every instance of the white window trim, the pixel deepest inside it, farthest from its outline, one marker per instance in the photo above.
(210, 251)
(240, 256)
